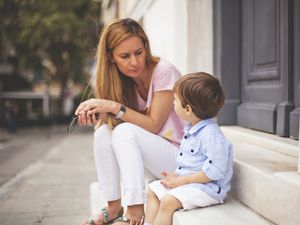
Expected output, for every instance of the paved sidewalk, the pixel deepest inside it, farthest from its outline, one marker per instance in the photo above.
(54, 190)
(25, 147)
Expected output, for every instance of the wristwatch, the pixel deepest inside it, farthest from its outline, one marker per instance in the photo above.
(121, 112)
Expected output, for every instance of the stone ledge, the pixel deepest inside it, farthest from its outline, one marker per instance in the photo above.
(232, 212)
(265, 179)
(286, 146)
(229, 213)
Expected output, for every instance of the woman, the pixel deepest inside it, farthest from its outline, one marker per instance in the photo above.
(138, 126)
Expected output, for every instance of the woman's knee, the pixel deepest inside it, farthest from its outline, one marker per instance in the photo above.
(124, 131)
(102, 136)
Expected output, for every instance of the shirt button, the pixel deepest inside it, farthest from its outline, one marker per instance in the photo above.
(179, 167)
(180, 154)
(210, 161)
(192, 150)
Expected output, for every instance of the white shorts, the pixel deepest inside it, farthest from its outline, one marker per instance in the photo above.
(190, 197)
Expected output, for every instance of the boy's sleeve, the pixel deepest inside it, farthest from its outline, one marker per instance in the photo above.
(218, 153)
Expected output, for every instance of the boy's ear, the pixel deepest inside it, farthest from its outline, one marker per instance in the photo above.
(188, 110)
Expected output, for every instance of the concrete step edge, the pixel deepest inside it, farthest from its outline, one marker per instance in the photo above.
(265, 181)
(286, 146)
(232, 212)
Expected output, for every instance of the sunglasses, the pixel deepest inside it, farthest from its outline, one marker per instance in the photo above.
(72, 124)
(74, 119)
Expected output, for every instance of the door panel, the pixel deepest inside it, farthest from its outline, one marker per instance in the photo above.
(266, 88)
(264, 64)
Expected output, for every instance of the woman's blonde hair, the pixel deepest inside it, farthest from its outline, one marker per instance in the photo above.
(111, 84)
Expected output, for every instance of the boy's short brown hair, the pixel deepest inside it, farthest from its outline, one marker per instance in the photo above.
(201, 91)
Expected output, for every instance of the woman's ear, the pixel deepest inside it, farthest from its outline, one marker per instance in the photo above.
(111, 57)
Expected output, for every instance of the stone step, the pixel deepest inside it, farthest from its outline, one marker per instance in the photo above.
(286, 146)
(265, 174)
(230, 213)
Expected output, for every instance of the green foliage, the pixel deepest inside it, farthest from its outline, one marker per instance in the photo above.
(56, 35)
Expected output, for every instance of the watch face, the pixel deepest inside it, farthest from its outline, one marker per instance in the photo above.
(123, 108)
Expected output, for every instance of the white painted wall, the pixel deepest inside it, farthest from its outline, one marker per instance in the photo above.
(181, 31)
(165, 22)
(109, 11)
(200, 35)
(125, 7)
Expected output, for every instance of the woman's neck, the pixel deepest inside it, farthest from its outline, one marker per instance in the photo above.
(143, 82)
(143, 79)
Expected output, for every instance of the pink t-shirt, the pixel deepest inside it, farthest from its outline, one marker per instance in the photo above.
(163, 78)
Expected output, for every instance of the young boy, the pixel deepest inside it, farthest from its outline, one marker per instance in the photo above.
(204, 162)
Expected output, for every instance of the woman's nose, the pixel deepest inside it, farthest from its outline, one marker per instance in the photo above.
(133, 60)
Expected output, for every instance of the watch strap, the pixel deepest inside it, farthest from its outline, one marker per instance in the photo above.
(121, 112)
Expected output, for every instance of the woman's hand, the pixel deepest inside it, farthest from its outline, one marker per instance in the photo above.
(89, 110)
(170, 180)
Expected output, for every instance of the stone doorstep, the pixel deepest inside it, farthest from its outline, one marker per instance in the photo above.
(230, 213)
(266, 180)
(286, 146)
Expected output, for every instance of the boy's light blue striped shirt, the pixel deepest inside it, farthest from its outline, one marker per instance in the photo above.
(204, 147)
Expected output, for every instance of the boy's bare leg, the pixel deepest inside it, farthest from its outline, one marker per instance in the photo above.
(168, 205)
(152, 207)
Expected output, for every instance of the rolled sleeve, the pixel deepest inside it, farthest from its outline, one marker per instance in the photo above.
(211, 171)
(215, 166)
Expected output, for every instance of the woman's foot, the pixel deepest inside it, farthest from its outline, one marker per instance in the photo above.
(107, 215)
(134, 215)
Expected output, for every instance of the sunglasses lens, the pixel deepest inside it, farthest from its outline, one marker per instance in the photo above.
(72, 124)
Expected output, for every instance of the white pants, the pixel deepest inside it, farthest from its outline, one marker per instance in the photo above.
(123, 153)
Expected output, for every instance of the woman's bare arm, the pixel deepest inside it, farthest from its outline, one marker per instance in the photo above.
(153, 120)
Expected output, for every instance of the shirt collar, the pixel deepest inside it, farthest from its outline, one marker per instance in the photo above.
(190, 130)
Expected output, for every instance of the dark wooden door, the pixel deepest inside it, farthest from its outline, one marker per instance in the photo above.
(268, 88)
(294, 118)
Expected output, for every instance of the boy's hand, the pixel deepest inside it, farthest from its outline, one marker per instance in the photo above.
(170, 180)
